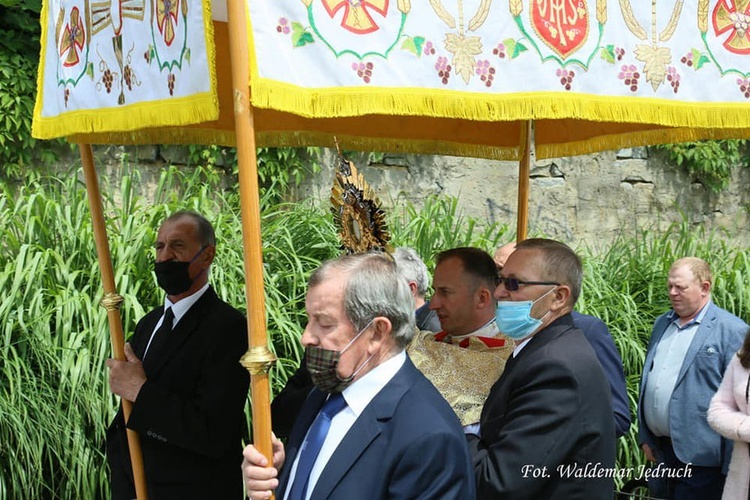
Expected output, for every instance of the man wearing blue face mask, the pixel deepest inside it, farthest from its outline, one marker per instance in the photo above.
(182, 374)
(546, 427)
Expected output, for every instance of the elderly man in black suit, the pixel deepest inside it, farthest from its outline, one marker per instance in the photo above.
(183, 376)
(546, 429)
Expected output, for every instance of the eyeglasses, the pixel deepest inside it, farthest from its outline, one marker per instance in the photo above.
(512, 284)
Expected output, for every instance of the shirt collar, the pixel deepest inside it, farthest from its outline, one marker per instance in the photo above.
(673, 318)
(360, 393)
(181, 307)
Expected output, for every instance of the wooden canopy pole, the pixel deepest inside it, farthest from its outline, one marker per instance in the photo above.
(524, 172)
(111, 302)
(259, 359)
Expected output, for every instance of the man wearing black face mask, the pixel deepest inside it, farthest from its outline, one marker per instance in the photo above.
(183, 376)
(361, 432)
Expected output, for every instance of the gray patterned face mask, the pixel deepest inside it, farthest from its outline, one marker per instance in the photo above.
(322, 365)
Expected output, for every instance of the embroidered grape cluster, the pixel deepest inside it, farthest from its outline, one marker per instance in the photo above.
(428, 49)
(283, 26)
(364, 70)
(566, 77)
(499, 51)
(66, 95)
(443, 69)
(629, 75)
(127, 73)
(108, 79)
(744, 85)
(170, 83)
(619, 53)
(687, 59)
(147, 56)
(486, 72)
(673, 77)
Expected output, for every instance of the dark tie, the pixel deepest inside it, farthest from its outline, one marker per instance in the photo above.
(314, 441)
(157, 342)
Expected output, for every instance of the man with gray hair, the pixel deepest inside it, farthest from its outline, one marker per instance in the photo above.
(361, 429)
(414, 271)
(546, 429)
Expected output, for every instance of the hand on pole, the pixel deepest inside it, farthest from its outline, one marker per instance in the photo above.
(260, 479)
(126, 377)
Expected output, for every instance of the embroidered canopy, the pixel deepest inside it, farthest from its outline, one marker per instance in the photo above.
(436, 76)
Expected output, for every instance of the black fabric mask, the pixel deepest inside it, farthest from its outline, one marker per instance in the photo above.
(173, 276)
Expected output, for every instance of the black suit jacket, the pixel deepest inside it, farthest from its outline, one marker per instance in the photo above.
(549, 413)
(190, 412)
(407, 443)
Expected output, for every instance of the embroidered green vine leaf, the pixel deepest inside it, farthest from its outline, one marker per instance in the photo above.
(418, 43)
(300, 36)
(413, 45)
(187, 55)
(518, 49)
(410, 46)
(510, 46)
(90, 70)
(463, 49)
(703, 59)
(699, 59)
(608, 53)
(655, 61)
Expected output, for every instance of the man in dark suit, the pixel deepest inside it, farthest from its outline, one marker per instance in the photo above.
(546, 429)
(689, 351)
(375, 444)
(183, 376)
(598, 335)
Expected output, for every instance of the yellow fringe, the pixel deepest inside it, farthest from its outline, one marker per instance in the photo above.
(354, 101)
(183, 135)
(197, 108)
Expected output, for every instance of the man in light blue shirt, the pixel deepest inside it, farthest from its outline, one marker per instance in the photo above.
(690, 348)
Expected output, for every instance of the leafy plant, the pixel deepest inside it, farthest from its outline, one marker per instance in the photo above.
(710, 162)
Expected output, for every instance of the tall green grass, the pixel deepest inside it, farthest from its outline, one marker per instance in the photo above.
(54, 399)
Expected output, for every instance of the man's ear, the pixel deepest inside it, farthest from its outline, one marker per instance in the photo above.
(413, 288)
(207, 257)
(382, 329)
(484, 298)
(561, 297)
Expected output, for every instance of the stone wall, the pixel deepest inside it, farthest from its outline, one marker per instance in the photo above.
(588, 200)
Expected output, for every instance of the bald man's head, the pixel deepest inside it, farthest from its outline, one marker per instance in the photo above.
(502, 254)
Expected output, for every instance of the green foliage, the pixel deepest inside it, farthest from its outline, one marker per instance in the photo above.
(710, 162)
(54, 399)
(19, 57)
(279, 169)
(440, 225)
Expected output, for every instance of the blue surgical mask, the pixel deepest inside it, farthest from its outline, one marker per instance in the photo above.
(514, 318)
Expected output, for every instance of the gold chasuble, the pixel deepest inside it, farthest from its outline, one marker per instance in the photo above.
(463, 375)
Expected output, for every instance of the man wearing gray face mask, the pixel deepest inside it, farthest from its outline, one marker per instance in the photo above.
(361, 432)
(546, 429)
(182, 374)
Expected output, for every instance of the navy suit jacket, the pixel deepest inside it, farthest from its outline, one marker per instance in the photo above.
(549, 413)
(407, 443)
(598, 335)
(717, 339)
(189, 413)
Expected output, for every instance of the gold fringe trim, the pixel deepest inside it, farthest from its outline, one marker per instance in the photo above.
(158, 135)
(197, 108)
(354, 101)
